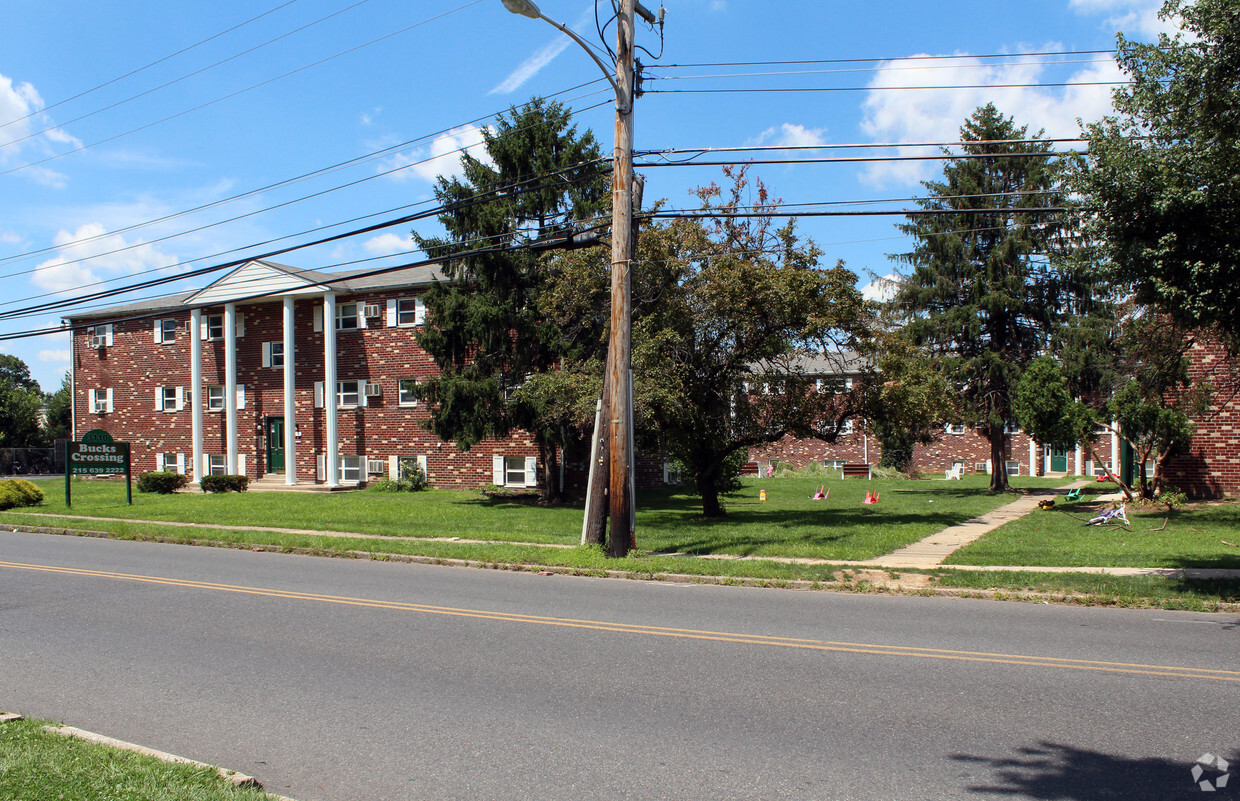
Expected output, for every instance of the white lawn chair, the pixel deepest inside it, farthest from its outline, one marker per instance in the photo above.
(956, 471)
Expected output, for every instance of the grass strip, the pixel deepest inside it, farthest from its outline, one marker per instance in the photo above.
(36, 765)
(1093, 589)
(787, 524)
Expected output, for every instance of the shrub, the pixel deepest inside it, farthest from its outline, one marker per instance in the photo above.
(412, 479)
(19, 492)
(162, 482)
(224, 483)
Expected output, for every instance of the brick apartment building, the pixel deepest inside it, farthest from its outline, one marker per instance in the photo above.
(137, 370)
(272, 370)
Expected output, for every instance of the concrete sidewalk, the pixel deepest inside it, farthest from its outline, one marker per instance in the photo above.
(931, 551)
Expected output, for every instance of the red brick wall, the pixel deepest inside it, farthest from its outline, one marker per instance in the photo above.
(1210, 466)
(970, 447)
(134, 365)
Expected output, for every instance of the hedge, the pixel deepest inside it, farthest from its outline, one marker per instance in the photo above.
(19, 492)
(224, 483)
(162, 482)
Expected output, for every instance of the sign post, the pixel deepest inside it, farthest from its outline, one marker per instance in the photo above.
(97, 455)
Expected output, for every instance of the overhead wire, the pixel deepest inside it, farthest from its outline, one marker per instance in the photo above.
(523, 186)
(147, 66)
(238, 92)
(189, 75)
(305, 176)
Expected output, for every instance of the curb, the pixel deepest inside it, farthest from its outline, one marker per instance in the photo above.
(231, 776)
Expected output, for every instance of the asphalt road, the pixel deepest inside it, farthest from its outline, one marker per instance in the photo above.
(332, 679)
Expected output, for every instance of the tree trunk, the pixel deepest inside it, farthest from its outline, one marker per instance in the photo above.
(708, 488)
(553, 491)
(998, 465)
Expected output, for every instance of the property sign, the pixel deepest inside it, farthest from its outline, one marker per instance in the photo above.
(97, 455)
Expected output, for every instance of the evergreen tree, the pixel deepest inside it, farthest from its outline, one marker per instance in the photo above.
(540, 182)
(984, 294)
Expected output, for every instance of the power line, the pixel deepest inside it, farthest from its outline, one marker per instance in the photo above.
(305, 176)
(856, 159)
(884, 88)
(519, 187)
(782, 73)
(877, 59)
(188, 75)
(850, 145)
(242, 91)
(145, 67)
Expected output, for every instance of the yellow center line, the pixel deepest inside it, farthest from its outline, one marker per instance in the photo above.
(659, 631)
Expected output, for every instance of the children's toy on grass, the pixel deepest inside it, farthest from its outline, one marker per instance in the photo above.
(1116, 515)
(871, 498)
(822, 494)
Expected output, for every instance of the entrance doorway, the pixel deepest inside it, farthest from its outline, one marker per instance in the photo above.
(275, 444)
(1059, 459)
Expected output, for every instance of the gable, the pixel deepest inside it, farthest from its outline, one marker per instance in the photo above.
(257, 279)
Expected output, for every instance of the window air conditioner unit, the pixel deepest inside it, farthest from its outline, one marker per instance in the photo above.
(376, 466)
(373, 390)
(97, 341)
(979, 467)
(370, 310)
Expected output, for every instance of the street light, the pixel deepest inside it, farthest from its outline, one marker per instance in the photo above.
(619, 379)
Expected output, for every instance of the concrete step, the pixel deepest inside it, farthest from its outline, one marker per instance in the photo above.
(275, 483)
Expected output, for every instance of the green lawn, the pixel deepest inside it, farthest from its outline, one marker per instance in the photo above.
(36, 766)
(1193, 537)
(787, 524)
(1091, 589)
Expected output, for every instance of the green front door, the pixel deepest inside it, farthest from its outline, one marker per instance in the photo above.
(1059, 459)
(275, 444)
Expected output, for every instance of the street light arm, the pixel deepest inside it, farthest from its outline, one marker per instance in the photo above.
(622, 104)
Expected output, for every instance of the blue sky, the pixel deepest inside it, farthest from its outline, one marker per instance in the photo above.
(238, 98)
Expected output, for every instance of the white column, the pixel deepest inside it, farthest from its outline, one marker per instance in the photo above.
(1033, 457)
(1076, 461)
(1114, 448)
(195, 388)
(290, 408)
(329, 388)
(230, 384)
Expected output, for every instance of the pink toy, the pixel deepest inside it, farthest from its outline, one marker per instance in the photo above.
(820, 495)
(870, 498)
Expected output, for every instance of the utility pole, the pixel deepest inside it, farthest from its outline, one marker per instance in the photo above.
(617, 408)
(619, 378)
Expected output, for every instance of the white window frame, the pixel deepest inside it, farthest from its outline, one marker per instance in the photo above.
(406, 312)
(359, 321)
(406, 397)
(166, 330)
(273, 355)
(514, 471)
(169, 399)
(351, 468)
(101, 401)
(214, 391)
(213, 322)
(834, 464)
(358, 394)
(955, 429)
(217, 464)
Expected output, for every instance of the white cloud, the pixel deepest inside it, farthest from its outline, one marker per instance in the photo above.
(387, 244)
(53, 357)
(882, 289)
(791, 135)
(28, 133)
(542, 57)
(1136, 18)
(443, 157)
(531, 66)
(80, 264)
(935, 115)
